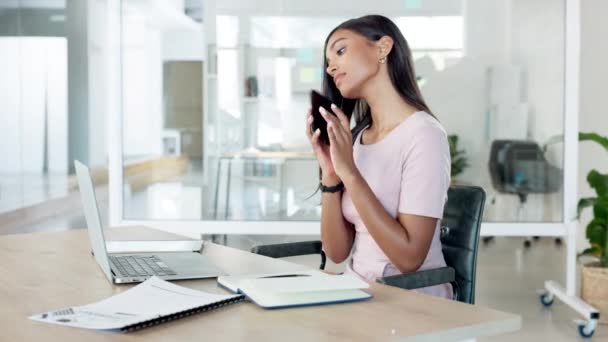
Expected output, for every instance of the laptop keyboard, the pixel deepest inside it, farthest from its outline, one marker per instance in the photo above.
(140, 266)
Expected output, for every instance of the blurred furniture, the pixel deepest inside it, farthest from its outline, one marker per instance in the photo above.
(172, 142)
(459, 237)
(259, 166)
(519, 167)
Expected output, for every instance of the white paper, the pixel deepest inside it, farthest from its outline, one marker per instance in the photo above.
(151, 299)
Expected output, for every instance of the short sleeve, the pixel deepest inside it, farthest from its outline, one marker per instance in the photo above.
(425, 175)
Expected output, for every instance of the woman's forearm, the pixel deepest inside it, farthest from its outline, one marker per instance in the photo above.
(337, 234)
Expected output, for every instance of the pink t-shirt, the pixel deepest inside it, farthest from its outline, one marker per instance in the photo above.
(409, 172)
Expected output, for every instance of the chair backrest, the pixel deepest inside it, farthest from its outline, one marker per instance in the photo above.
(520, 167)
(460, 227)
(497, 163)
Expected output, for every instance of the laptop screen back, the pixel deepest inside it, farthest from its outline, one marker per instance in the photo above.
(91, 214)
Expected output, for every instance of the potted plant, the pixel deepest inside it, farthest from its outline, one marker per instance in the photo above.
(594, 280)
(459, 160)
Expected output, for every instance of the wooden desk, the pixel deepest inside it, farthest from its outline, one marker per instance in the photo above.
(45, 271)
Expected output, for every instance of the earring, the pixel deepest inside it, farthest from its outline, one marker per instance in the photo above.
(382, 59)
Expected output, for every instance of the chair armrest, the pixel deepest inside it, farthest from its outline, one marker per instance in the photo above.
(420, 279)
(282, 250)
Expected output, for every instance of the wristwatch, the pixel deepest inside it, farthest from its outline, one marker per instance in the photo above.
(335, 188)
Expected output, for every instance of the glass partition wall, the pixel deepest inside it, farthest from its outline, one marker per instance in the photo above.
(214, 99)
(33, 104)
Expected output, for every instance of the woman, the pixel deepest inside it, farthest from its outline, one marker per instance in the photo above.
(385, 183)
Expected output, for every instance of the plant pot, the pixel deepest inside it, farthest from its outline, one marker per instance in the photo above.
(594, 288)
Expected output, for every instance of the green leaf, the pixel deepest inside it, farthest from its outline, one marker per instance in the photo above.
(599, 182)
(584, 203)
(600, 209)
(460, 163)
(583, 136)
(596, 233)
(458, 157)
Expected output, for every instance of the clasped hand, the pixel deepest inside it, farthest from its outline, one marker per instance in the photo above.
(337, 158)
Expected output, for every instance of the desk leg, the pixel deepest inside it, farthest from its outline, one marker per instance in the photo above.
(220, 239)
(282, 192)
(217, 187)
(229, 175)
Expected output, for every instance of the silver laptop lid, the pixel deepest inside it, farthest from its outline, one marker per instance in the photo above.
(91, 214)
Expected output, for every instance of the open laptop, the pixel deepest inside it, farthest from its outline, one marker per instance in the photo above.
(136, 267)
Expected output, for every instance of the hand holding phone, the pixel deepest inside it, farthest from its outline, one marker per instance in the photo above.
(317, 100)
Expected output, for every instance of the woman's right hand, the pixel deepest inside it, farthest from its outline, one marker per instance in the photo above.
(322, 153)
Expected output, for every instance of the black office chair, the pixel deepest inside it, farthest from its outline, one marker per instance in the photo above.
(520, 168)
(459, 236)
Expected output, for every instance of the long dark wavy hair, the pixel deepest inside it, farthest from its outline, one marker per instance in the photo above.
(400, 69)
(399, 63)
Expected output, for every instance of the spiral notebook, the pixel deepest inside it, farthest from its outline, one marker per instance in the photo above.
(273, 291)
(150, 303)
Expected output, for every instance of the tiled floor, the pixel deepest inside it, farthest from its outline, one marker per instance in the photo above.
(22, 190)
(508, 276)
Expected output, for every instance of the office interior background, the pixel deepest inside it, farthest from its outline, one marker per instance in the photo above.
(202, 105)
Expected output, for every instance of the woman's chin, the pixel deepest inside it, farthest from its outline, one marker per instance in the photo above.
(347, 92)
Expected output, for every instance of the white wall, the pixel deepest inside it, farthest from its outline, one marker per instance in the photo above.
(337, 7)
(142, 87)
(537, 44)
(34, 79)
(149, 38)
(10, 112)
(98, 81)
(459, 94)
(593, 109)
(487, 30)
(183, 45)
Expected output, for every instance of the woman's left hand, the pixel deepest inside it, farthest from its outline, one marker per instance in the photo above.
(340, 142)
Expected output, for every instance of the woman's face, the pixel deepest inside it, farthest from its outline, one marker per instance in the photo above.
(351, 61)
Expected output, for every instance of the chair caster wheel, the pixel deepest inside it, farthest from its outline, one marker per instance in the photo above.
(546, 299)
(585, 330)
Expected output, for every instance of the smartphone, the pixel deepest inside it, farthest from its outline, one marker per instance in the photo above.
(317, 100)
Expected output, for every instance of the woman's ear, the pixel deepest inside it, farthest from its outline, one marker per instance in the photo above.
(385, 45)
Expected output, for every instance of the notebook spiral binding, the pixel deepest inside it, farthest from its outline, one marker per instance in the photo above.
(181, 314)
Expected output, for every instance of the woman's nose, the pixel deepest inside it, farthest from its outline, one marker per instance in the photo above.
(331, 69)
